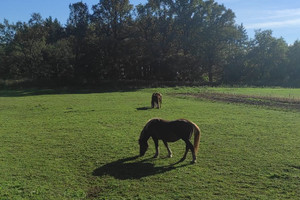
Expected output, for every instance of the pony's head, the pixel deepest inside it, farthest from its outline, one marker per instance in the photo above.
(143, 140)
(145, 135)
(143, 146)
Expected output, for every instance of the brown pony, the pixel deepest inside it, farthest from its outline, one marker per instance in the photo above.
(156, 100)
(170, 131)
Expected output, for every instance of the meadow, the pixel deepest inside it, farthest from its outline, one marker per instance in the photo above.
(83, 144)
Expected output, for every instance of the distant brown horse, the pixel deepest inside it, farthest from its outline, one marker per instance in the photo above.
(170, 131)
(156, 100)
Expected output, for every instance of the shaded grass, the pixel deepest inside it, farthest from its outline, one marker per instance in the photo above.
(84, 145)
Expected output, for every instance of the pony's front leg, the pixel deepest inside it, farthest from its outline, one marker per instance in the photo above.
(156, 147)
(169, 150)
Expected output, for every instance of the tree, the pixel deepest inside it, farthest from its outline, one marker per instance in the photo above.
(77, 28)
(236, 57)
(293, 78)
(183, 28)
(55, 31)
(266, 59)
(58, 59)
(112, 20)
(7, 32)
(156, 30)
(27, 48)
(78, 19)
(217, 32)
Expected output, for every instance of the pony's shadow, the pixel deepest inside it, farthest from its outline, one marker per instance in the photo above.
(122, 170)
(144, 108)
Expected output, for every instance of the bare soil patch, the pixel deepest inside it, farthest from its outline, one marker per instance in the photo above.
(278, 102)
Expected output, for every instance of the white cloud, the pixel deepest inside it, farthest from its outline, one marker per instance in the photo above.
(284, 13)
(274, 24)
(275, 14)
(274, 19)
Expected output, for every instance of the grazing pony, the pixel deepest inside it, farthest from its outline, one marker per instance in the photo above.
(156, 100)
(170, 131)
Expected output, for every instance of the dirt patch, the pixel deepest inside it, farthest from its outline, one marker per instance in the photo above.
(286, 103)
(94, 192)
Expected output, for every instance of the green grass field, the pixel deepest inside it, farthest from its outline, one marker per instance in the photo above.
(82, 145)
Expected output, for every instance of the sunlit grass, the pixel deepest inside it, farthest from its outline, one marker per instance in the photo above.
(63, 145)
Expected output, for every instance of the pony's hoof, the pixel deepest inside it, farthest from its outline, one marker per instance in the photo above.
(170, 156)
(194, 161)
(155, 156)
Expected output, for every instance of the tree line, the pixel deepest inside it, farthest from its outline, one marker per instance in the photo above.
(165, 40)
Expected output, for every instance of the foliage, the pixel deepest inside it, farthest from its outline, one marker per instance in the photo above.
(267, 57)
(170, 40)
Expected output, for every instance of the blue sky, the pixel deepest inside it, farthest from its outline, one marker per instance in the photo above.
(283, 17)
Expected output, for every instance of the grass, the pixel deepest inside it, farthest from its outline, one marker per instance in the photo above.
(82, 145)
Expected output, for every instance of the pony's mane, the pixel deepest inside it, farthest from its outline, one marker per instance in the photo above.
(151, 121)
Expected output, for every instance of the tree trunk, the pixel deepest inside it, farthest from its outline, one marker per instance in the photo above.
(210, 74)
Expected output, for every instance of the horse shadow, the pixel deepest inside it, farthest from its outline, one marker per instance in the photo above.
(144, 108)
(123, 170)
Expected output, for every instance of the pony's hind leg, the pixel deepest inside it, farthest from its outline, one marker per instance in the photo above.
(187, 147)
(169, 150)
(185, 153)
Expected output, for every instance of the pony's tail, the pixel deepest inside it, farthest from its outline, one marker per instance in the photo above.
(197, 135)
